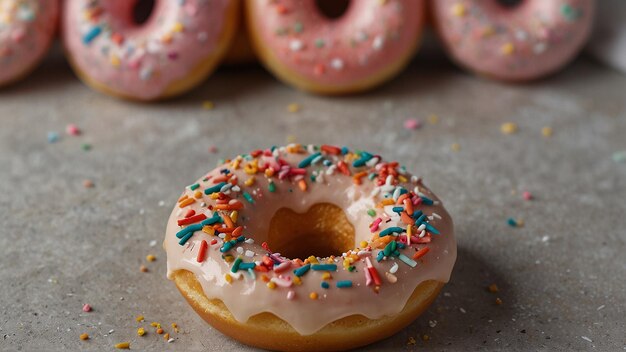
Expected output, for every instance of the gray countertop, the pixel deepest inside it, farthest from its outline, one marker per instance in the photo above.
(560, 276)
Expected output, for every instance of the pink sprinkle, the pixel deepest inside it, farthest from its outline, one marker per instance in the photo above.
(212, 149)
(72, 130)
(368, 277)
(375, 224)
(412, 124)
(282, 266)
(291, 294)
(86, 308)
(527, 195)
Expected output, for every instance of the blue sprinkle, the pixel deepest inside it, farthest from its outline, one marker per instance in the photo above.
(302, 270)
(390, 230)
(215, 188)
(53, 137)
(344, 284)
(91, 35)
(325, 284)
(421, 219)
(241, 239)
(417, 214)
(210, 221)
(307, 161)
(325, 267)
(512, 222)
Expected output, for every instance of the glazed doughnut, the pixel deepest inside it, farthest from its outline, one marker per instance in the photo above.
(170, 52)
(370, 43)
(521, 41)
(608, 41)
(309, 248)
(27, 28)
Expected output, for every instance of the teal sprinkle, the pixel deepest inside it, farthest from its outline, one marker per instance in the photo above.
(403, 190)
(324, 267)
(389, 248)
(185, 238)
(210, 221)
(307, 161)
(252, 274)
(420, 219)
(427, 201)
(215, 188)
(417, 214)
(371, 212)
(344, 284)
(570, 13)
(390, 230)
(408, 261)
(512, 222)
(194, 186)
(325, 284)
(397, 209)
(401, 245)
(430, 228)
(327, 162)
(92, 34)
(236, 264)
(395, 253)
(365, 157)
(241, 239)
(380, 256)
(302, 270)
(189, 229)
(226, 247)
(272, 187)
(247, 266)
(312, 178)
(372, 176)
(248, 197)
(344, 150)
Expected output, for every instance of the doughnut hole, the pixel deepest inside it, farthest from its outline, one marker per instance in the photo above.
(322, 231)
(142, 11)
(332, 9)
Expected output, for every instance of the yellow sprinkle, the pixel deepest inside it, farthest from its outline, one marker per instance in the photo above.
(208, 105)
(508, 128)
(425, 337)
(507, 49)
(234, 215)
(178, 27)
(297, 280)
(251, 168)
(313, 295)
(122, 346)
(409, 231)
(84, 336)
(150, 257)
(363, 244)
(488, 31)
(326, 276)
(546, 131)
(214, 195)
(141, 331)
(293, 107)
(115, 61)
(312, 260)
(459, 10)
(402, 179)
(154, 324)
(139, 318)
(387, 201)
(175, 327)
(236, 163)
(433, 119)
(271, 285)
(411, 341)
(166, 336)
(455, 147)
(228, 278)
(208, 230)
(249, 182)
(382, 2)
(229, 259)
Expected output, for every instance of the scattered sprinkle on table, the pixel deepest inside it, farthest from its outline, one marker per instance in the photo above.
(213, 149)
(86, 147)
(619, 157)
(141, 332)
(546, 131)
(498, 301)
(412, 124)
(88, 184)
(411, 341)
(86, 308)
(72, 130)
(515, 223)
(150, 257)
(122, 346)
(293, 107)
(53, 137)
(493, 288)
(527, 195)
(433, 119)
(455, 147)
(143, 269)
(84, 336)
(208, 105)
(508, 128)
(586, 339)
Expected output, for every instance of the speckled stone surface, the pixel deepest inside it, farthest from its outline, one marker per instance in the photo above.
(560, 276)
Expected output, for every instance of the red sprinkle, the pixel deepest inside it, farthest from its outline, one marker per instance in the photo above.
(375, 275)
(191, 220)
(214, 241)
(527, 195)
(202, 251)
(343, 167)
(190, 213)
(331, 149)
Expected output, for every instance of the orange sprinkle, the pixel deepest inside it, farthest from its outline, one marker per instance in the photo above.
(406, 218)
(228, 221)
(420, 253)
(208, 230)
(159, 331)
(408, 206)
(237, 231)
(313, 295)
(388, 201)
(402, 198)
(84, 336)
(357, 177)
(122, 346)
(302, 185)
(233, 206)
(225, 229)
(186, 202)
(197, 195)
(182, 198)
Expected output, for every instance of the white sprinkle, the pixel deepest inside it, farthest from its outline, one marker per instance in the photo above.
(236, 189)
(361, 36)
(586, 338)
(521, 35)
(422, 227)
(296, 45)
(170, 340)
(414, 179)
(378, 42)
(389, 180)
(396, 193)
(331, 170)
(240, 250)
(601, 307)
(222, 235)
(249, 253)
(545, 238)
(437, 216)
(249, 240)
(373, 161)
(161, 203)
(337, 64)
(391, 277)
(153, 243)
(394, 268)
(462, 310)
(432, 323)
(447, 294)
(539, 48)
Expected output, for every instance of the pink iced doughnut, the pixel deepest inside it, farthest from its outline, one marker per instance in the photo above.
(371, 42)
(519, 42)
(27, 28)
(175, 49)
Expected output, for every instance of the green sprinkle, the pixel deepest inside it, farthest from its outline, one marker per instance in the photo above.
(351, 268)
(298, 27)
(408, 261)
(344, 284)
(215, 188)
(236, 264)
(390, 230)
(324, 267)
(194, 186)
(307, 161)
(302, 270)
(86, 147)
(248, 197)
(371, 212)
(272, 187)
(389, 248)
(319, 43)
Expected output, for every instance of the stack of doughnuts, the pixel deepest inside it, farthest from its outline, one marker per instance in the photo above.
(176, 45)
